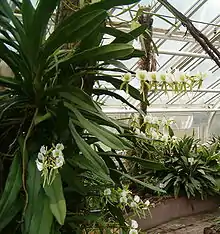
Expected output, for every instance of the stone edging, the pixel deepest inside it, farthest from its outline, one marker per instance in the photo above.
(171, 209)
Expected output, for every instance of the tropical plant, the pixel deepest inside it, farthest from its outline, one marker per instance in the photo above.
(48, 116)
(191, 169)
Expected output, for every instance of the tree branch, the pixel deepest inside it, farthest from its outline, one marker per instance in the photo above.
(207, 46)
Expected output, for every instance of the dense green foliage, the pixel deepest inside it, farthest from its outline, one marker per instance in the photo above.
(49, 101)
(189, 168)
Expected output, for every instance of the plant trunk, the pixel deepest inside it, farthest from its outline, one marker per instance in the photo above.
(148, 62)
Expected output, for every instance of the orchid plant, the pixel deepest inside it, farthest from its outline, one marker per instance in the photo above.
(153, 128)
(175, 80)
(49, 161)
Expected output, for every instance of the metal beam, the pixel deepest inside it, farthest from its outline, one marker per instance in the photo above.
(160, 110)
(186, 54)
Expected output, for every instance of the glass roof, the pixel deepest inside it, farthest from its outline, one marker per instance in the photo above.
(194, 112)
(178, 50)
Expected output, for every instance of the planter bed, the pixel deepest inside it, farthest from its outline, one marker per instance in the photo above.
(172, 208)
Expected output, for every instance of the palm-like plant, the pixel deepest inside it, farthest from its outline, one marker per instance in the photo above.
(49, 101)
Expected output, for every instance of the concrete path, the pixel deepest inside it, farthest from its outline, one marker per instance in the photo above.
(187, 225)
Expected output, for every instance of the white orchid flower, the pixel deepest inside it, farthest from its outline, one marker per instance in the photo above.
(154, 120)
(179, 76)
(134, 224)
(40, 156)
(191, 161)
(133, 231)
(43, 149)
(142, 75)
(161, 77)
(123, 200)
(133, 204)
(39, 165)
(57, 153)
(153, 76)
(127, 77)
(59, 162)
(124, 193)
(174, 139)
(59, 146)
(107, 192)
(154, 135)
(164, 138)
(137, 198)
(147, 203)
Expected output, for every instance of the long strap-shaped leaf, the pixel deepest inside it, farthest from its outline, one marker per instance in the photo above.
(9, 82)
(40, 18)
(33, 187)
(150, 186)
(117, 84)
(56, 199)
(43, 217)
(104, 135)
(27, 15)
(115, 95)
(11, 191)
(85, 103)
(78, 28)
(6, 9)
(102, 53)
(148, 164)
(101, 5)
(94, 162)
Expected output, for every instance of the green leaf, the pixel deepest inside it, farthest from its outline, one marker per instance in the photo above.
(150, 186)
(27, 15)
(6, 9)
(57, 201)
(33, 188)
(148, 164)
(94, 162)
(9, 82)
(10, 193)
(41, 17)
(104, 135)
(41, 118)
(43, 218)
(85, 103)
(118, 34)
(131, 35)
(117, 84)
(74, 181)
(117, 213)
(135, 53)
(108, 4)
(115, 95)
(102, 53)
(10, 213)
(76, 28)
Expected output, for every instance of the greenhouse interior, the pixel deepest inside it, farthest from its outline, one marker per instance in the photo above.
(109, 116)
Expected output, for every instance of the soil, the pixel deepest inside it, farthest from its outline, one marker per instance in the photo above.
(190, 225)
